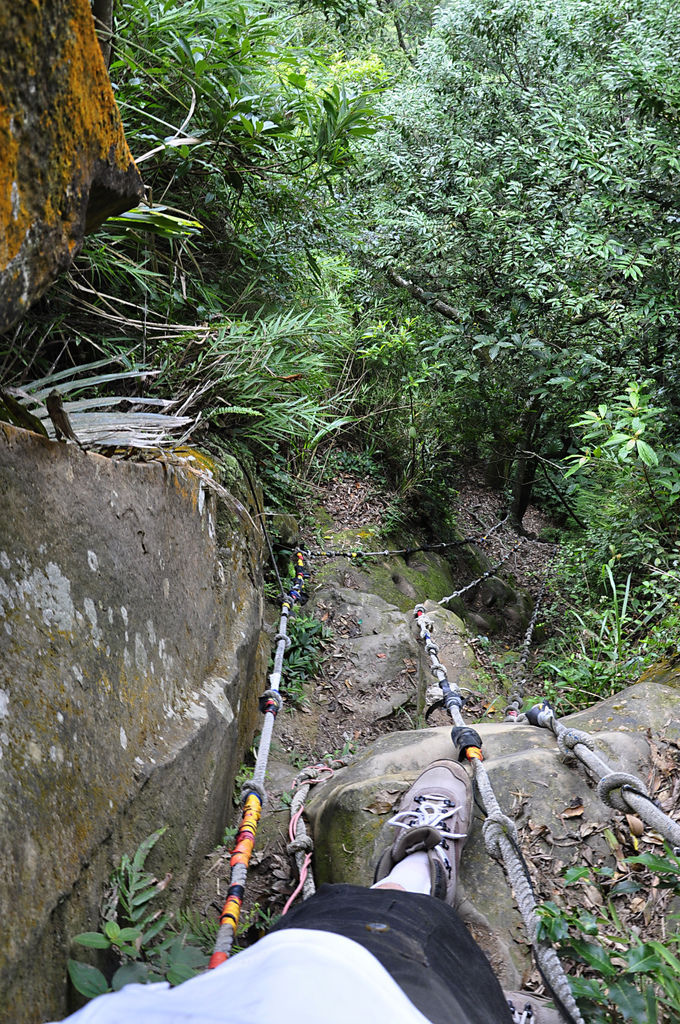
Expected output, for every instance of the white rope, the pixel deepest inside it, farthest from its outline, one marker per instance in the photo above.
(239, 872)
(303, 844)
(502, 842)
(500, 835)
(620, 790)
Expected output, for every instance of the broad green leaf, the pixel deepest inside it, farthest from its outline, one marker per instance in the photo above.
(575, 874)
(94, 940)
(128, 974)
(596, 957)
(661, 865)
(642, 958)
(665, 954)
(628, 999)
(87, 980)
(647, 454)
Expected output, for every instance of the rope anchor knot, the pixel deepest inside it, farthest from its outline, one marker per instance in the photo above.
(610, 789)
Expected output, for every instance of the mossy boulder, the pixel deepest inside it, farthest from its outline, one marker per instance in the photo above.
(131, 656)
(532, 783)
(400, 580)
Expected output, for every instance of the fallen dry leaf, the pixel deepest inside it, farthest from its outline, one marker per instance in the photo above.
(593, 896)
(635, 825)
(383, 801)
(587, 829)
(575, 810)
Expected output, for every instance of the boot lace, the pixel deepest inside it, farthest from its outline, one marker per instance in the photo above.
(431, 810)
(525, 1016)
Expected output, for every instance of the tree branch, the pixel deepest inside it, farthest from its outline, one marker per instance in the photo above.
(450, 312)
(402, 41)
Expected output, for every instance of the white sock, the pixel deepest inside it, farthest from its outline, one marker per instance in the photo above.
(413, 873)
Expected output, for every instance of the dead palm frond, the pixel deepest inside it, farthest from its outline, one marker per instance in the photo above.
(118, 421)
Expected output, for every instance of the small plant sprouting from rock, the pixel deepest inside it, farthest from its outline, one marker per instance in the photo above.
(142, 941)
(305, 656)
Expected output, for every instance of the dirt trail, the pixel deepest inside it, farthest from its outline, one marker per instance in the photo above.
(334, 718)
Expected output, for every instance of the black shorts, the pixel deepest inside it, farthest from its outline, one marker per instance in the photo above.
(420, 941)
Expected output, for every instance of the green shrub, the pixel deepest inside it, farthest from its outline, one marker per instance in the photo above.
(143, 941)
(622, 976)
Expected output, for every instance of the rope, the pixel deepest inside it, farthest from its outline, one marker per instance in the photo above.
(253, 795)
(502, 842)
(500, 832)
(479, 539)
(301, 844)
(620, 790)
(517, 694)
(452, 698)
(485, 575)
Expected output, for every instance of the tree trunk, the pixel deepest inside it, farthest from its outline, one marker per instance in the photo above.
(525, 467)
(102, 12)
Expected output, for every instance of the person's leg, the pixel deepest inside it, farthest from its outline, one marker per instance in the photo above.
(420, 941)
(428, 802)
(412, 874)
(433, 823)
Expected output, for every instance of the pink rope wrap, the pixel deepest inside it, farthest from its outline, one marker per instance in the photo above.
(293, 825)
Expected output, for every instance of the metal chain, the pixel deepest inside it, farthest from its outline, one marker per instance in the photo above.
(517, 695)
(485, 575)
(478, 539)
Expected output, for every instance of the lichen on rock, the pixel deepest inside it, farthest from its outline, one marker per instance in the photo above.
(64, 163)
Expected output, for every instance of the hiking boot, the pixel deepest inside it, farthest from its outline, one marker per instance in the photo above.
(526, 1008)
(434, 817)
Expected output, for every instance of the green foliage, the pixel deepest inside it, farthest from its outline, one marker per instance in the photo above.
(141, 939)
(228, 836)
(201, 931)
(241, 130)
(243, 775)
(240, 125)
(360, 462)
(625, 978)
(523, 180)
(155, 220)
(593, 660)
(305, 655)
(634, 474)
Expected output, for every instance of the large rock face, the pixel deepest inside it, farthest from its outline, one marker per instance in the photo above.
(64, 162)
(130, 663)
(532, 784)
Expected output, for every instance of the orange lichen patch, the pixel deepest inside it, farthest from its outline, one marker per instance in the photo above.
(13, 212)
(89, 100)
(198, 460)
(188, 486)
(64, 163)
